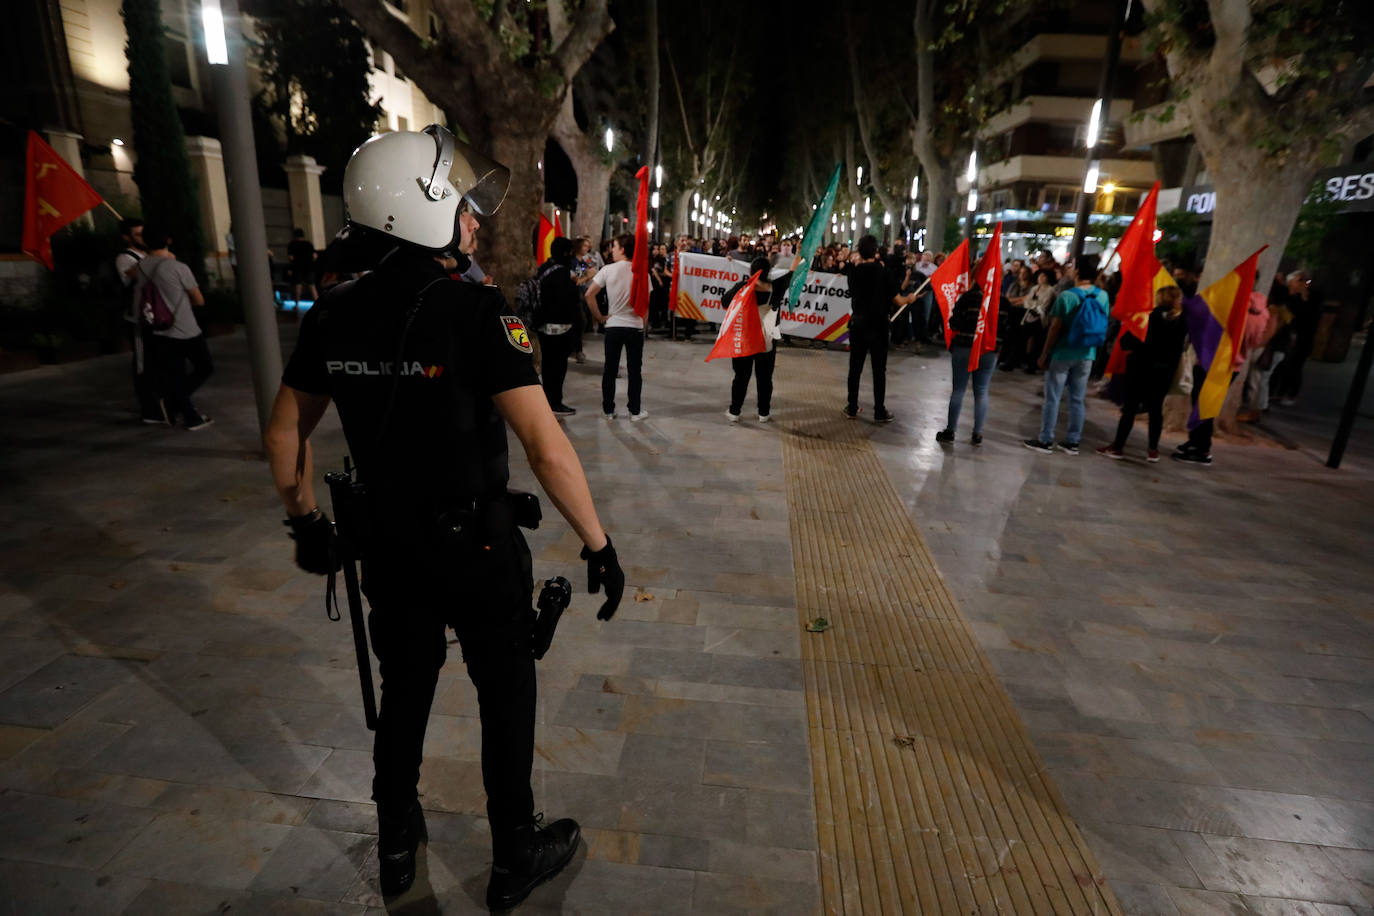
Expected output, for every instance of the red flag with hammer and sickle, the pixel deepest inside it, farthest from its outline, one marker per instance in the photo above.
(54, 196)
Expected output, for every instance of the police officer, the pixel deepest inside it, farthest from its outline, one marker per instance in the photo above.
(426, 374)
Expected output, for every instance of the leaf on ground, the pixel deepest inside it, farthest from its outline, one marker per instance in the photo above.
(643, 596)
(818, 625)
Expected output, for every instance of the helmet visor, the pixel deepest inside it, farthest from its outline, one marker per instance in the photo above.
(479, 180)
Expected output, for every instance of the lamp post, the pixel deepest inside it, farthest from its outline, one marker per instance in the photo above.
(972, 176)
(1092, 164)
(224, 48)
(610, 149)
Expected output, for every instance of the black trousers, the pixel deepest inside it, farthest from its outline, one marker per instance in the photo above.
(555, 350)
(146, 374)
(412, 604)
(1143, 389)
(872, 346)
(631, 340)
(1200, 436)
(172, 356)
(761, 365)
(1013, 337)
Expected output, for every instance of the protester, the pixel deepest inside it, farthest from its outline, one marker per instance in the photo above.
(624, 329)
(146, 378)
(925, 266)
(183, 342)
(1151, 365)
(872, 292)
(768, 295)
(301, 257)
(963, 320)
(1306, 306)
(1067, 358)
(1260, 328)
(555, 318)
(1016, 296)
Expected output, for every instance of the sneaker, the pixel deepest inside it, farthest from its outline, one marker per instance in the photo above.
(1069, 447)
(945, 435)
(609, 416)
(563, 410)
(1194, 456)
(1036, 445)
(642, 415)
(881, 415)
(850, 411)
(533, 855)
(196, 423)
(1183, 447)
(765, 418)
(977, 439)
(1110, 451)
(732, 417)
(398, 838)
(1152, 456)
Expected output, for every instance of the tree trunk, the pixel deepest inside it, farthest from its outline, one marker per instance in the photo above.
(684, 212)
(593, 172)
(937, 202)
(651, 87)
(506, 242)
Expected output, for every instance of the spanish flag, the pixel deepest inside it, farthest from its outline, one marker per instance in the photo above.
(543, 245)
(1227, 302)
(54, 196)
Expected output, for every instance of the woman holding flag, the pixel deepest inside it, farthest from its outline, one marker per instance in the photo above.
(768, 295)
(963, 321)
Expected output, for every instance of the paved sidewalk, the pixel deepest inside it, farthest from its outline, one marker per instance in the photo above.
(1189, 649)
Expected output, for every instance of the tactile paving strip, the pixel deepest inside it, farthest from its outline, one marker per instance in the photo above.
(930, 797)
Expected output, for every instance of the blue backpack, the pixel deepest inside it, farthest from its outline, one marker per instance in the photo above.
(1088, 327)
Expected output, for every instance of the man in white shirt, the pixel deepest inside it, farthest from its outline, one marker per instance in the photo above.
(183, 342)
(624, 329)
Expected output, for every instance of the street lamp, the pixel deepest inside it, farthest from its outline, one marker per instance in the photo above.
(658, 176)
(216, 48)
(1090, 137)
(1090, 179)
(915, 185)
(610, 140)
(860, 179)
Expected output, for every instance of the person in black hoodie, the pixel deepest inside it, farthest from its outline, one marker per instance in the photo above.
(963, 319)
(556, 319)
(873, 292)
(769, 295)
(1150, 368)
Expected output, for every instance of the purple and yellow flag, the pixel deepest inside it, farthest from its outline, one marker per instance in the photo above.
(1216, 324)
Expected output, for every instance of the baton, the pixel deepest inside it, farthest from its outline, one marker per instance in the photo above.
(343, 494)
(905, 304)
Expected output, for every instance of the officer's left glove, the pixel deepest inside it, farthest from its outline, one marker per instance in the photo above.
(314, 537)
(603, 569)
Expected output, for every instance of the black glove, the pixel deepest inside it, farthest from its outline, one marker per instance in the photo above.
(603, 568)
(314, 537)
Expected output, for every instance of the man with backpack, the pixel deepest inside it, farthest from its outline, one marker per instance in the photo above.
(165, 292)
(1078, 326)
(139, 334)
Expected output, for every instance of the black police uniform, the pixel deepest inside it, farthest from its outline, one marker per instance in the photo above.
(443, 550)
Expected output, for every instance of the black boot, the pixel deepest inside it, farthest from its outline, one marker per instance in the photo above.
(527, 857)
(399, 835)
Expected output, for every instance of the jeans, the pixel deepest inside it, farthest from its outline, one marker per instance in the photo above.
(958, 358)
(761, 365)
(874, 347)
(1073, 375)
(555, 348)
(412, 604)
(172, 355)
(632, 341)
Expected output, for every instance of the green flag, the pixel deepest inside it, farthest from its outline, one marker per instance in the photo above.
(812, 239)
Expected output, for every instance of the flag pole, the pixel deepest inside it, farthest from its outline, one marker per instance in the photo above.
(918, 292)
(111, 209)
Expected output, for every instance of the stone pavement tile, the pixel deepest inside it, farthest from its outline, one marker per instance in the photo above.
(347, 817)
(322, 864)
(774, 725)
(645, 805)
(616, 684)
(20, 656)
(743, 671)
(671, 664)
(201, 849)
(59, 831)
(678, 759)
(345, 775)
(1357, 865)
(1252, 768)
(134, 791)
(1176, 761)
(730, 693)
(33, 888)
(51, 694)
(747, 616)
(580, 750)
(14, 738)
(1144, 899)
(459, 737)
(164, 897)
(1141, 855)
(237, 804)
(611, 845)
(668, 716)
(722, 894)
(675, 852)
(1265, 868)
(592, 710)
(72, 744)
(609, 887)
(1193, 902)
(1274, 906)
(753, 643)
(454, 786)
(1355, 820)
(784, 767)
(729, 857)
(781, 819)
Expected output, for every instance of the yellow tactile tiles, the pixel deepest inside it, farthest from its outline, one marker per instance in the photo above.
(930, 797)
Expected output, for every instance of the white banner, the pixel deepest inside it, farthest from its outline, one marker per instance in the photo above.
(822, 314)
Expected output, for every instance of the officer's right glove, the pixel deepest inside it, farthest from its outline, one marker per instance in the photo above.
(314, 537)
(603, 568)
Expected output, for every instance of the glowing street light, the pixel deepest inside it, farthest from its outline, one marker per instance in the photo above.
(972, 173)
(860, 179)
(1094, 125)
(216, 48)
(610, 140)
(973, 200)
(1090, 179)
(658, 177)
(696, 199)
(915, 185)
(1109, 187)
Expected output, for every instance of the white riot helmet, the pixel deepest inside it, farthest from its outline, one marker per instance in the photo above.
(413, 185)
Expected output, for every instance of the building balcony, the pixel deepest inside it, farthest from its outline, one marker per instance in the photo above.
(1057, 47)
(1051, 109)
(1066, 170)
(1146, 126)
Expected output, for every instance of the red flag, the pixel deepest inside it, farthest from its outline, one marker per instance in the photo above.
(988, 275)
(639, 266)
(950, 281)
(557, 226)
(741, 333)
(54, 196)
(1141, 277)
(543, 243)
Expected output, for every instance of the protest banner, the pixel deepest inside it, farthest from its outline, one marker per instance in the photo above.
(821, 314)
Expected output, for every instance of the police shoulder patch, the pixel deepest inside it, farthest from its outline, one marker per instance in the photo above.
(517, 335)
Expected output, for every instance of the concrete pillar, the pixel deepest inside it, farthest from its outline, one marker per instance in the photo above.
(307, 207)
(68, 145)
(207, 164)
